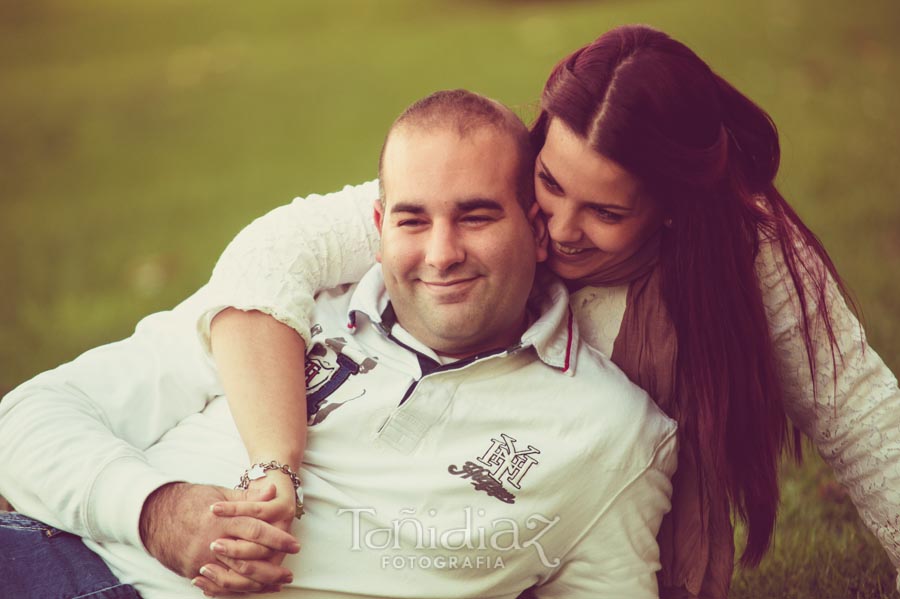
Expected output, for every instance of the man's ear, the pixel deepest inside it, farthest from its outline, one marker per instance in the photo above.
(539, 227)
(378, 215)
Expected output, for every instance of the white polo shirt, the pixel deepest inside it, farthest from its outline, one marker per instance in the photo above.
(478, 478)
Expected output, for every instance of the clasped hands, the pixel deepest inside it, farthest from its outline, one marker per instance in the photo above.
(225, 540)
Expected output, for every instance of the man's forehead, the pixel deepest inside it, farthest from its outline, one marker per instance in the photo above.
(421, 164)
(406, 140)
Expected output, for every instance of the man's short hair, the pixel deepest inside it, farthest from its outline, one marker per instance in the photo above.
(467, 112)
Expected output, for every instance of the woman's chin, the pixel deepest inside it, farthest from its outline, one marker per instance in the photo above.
(570, 273)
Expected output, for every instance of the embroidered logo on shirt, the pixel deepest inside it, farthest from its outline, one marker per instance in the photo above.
(502, 461)
(328, 366)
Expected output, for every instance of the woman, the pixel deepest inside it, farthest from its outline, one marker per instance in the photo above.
(686, 264)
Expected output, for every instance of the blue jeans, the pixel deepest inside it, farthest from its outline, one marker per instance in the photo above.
(38, 561)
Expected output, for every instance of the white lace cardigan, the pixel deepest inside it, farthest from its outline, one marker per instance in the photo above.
(278, 262)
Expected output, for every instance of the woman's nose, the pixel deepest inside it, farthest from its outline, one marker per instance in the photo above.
(563, 226)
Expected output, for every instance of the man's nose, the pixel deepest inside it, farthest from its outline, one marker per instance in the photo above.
(445, 247)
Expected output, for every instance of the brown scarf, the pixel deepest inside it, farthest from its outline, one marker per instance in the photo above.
(696, 538)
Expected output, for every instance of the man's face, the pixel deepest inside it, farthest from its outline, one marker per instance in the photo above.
(457, 250)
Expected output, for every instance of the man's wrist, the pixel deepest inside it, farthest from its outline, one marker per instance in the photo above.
(118, 493)
(158, 502)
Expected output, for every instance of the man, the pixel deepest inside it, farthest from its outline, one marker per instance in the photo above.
(451, 452)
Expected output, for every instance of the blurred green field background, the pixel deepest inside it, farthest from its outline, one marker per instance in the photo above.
(137, 139)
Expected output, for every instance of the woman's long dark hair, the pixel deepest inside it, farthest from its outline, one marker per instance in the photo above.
(709, 156)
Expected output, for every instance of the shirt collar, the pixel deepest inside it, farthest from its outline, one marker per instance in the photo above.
(552, 333)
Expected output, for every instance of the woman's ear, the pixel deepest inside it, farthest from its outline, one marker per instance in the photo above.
(539, 227)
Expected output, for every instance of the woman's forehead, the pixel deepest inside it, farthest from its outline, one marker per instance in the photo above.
(583, 172)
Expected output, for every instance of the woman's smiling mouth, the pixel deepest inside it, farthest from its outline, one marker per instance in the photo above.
(567, 250)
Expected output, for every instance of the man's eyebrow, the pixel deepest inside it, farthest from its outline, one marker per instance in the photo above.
(406, 207)
(461, 206)
(479, 204)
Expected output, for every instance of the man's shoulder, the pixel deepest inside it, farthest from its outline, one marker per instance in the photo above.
(627, 423)
(597, 376)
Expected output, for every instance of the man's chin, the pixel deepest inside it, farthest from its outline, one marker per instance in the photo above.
(454, 341)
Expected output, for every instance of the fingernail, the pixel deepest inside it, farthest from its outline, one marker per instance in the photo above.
(216, 509)
(216, 547)
(205, 572)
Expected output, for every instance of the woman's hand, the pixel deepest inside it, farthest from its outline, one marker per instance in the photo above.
(245, 566)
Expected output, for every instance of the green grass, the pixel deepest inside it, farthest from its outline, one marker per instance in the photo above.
(821, 548)
(137, 139)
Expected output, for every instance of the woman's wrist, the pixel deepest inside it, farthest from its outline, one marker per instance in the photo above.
(292, 459)
(276, 473)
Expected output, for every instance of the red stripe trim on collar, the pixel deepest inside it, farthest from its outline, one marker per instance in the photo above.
(569, 342)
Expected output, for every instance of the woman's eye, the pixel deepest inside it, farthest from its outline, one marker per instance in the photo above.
(606, 215)
(549, 183)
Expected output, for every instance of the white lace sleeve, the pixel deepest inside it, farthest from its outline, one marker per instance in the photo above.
(279, 261)
(855, 422)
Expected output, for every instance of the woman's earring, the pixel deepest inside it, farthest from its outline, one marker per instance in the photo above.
(668, 223)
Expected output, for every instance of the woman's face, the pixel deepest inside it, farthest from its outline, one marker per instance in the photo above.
(596, 212)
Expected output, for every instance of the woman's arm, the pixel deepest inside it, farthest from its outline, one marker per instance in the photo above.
(257, 327)
(279, 261)
(854, 416)
(260, 362)
(260, 301)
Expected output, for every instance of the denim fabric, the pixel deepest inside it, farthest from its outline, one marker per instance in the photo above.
(38, 561)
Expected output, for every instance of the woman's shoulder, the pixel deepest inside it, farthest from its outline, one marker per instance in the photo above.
(598, 312)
